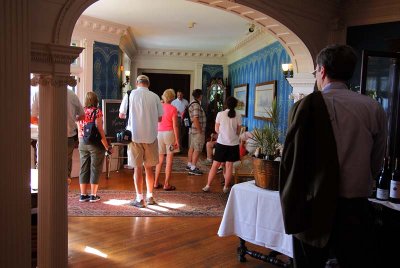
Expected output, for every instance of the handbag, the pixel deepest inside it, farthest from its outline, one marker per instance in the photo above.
(125, 136)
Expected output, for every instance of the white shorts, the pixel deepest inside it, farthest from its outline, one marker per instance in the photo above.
(166, 141)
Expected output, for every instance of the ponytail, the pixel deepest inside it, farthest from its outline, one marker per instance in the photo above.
(231, 103)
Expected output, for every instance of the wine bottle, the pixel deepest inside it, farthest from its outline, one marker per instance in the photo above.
(394, 192)
(382, 188)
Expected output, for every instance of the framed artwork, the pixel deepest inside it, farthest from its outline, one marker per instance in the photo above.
(264, 94)
(241, 94)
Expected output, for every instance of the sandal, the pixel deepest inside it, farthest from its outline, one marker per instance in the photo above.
(158, 186)
(170, 188)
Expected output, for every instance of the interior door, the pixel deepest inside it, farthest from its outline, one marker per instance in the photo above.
(380, 80)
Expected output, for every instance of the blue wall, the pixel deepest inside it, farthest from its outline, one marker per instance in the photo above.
(262, 66)
(106, 83)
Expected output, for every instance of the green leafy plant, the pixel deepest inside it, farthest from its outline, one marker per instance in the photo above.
(266, 139)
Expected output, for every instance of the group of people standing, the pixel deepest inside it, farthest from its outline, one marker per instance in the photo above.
(155, 128)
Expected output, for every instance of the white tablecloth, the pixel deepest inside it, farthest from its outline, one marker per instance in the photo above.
(255, 215)
(386, 204)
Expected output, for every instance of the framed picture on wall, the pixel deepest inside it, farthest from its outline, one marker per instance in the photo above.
(241, 94)
(264, 94)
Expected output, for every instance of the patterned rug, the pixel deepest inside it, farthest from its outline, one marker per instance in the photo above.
(115, 203)
(179, 164)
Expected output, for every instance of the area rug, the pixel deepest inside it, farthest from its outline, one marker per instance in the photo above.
(115, 203)
(179, 164)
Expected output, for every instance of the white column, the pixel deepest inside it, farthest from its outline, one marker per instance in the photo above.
(52, 203)
(198, 76)
(303, 84)
(88, 68)
(15, 200)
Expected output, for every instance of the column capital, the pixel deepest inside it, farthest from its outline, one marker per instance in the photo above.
(54, 81)
(52, 58)
(302, 84)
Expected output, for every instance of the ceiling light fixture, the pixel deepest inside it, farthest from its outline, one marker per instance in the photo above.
(191, 24)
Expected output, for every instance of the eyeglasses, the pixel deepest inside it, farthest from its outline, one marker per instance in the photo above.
(315, 72)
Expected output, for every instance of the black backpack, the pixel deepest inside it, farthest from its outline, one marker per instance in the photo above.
(91, 134)
(186, 122)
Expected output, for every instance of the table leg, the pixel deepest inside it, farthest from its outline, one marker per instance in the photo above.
(270, 258)
(108, 166)
(241, 250)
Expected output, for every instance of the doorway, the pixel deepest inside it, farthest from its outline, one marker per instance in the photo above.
(162, 81)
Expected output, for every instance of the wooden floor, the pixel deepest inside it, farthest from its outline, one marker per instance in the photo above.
(153, 241)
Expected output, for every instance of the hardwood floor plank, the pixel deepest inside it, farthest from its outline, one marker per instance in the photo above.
(153, 241)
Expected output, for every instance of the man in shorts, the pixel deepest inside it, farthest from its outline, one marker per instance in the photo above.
(196, 132)
(145, 111)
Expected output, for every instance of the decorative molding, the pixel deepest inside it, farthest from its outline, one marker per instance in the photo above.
(56, 81)
(175, 53)
(259, 32)
(55, 54)
(101, 26)
(60, 21)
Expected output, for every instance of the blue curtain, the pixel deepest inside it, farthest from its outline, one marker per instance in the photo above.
(106, 60)
(262, 66)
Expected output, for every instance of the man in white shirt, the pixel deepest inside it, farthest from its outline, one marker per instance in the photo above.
(180, 103)
(75, 113)
(145, 111)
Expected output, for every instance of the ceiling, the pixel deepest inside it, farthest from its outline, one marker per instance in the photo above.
(164, 24)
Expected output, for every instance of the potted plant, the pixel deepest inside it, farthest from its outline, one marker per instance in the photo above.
(266, 139)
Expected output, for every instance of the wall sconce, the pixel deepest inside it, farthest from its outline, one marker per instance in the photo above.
(127, 75)
(287, 69)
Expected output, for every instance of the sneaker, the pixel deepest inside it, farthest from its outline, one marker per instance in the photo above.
(187, 168)
(84, 198)
(94, 198)
(225, 190)
(206, 188)
(207, 162)
(150, 201)
(138, 204)
(219, 170)
(196, 172)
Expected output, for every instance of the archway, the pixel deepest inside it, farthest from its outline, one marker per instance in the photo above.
(59, 42)
(301, 57)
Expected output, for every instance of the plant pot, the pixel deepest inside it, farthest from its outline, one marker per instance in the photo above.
(266, 173)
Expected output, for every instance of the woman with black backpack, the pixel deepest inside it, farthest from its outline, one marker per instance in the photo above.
(92, 146)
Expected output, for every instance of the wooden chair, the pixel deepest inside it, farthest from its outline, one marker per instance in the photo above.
(243, 170)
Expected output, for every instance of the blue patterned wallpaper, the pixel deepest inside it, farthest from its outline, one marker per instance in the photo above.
(210, 72)
(106, 82)
(262, 66)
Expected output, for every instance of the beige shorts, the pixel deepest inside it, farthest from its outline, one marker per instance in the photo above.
(166, 141)
(197, 141)
(143, 153)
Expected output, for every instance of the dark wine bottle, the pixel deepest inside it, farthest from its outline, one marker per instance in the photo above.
(394, 192)
(382, 188)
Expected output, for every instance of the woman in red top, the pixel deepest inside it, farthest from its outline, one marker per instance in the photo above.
(91, 154)
(168, 138)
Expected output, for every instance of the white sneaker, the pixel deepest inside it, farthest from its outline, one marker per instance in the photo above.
(225, 190)
(206, 188)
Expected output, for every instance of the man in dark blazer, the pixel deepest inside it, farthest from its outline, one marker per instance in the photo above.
(333, 150)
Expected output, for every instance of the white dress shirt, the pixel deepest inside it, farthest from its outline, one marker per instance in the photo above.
(180, 105)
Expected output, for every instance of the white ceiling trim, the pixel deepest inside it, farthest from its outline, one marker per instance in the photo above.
(102, 26)
(179, 53)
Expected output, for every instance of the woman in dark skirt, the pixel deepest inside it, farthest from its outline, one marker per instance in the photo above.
(227, 125)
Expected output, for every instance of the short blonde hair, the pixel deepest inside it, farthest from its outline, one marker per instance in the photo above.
(169, 95)
(91, 99)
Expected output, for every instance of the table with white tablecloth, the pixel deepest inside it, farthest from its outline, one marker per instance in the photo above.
(254, 214)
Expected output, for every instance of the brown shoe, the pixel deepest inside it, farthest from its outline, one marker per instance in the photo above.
(150, 201)
(138, 204)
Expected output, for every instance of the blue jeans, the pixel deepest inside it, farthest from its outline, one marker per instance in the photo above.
(91, 158)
